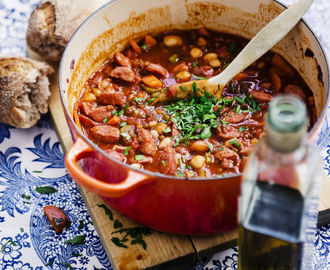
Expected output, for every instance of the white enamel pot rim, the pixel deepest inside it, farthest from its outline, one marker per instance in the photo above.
(315, 129)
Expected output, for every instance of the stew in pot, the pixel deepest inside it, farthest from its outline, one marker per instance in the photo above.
(199, 136)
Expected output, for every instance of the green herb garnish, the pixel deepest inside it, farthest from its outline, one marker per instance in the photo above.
(164, 162)
(5, 244)
(199, 78)
(241, 129)
(173, 58)
(210, 147)
(144, 47)
(107, 211)
(194, 64)
(26, 197)
(117, 224)
(45, 190)
(232, 45)
(182, 88)
(80, 239)
(68, 225)
(118, 242)
(81, 224)
(234, 142)
(124, 109)
(76, 254)
(126, 135)
(167, 130)
(127, 150)
(68, 265)
(123, 124)
(105, 119)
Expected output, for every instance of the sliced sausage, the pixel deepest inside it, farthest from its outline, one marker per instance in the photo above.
(234, 118)
(227, 163)
(122, 60)
(228, 132)
(112, 98)
(148, 145)
(86, 122)
(86, 107)
(123, 73)
(225, 153)
(166, 161)
(119, 156)
(157, 69)
(98, 114)
(261, 96)
(206, 70)
(105, 133)
(246, 150)
(295, 90)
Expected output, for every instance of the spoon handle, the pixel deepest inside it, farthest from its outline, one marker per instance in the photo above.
(263, 41)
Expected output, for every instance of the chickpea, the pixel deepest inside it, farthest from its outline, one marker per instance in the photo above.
(96, 91)
(161, 137)
(201, 42)
(104, 83)
(210, 56)
(173, 41)
(88, 97)
(183, 76)
(215, 63)
(136, 166)
(196, 52)
(165, 143)
(197, 162)
(154, 133)
(160, 127)
(141, 94)
(199, 146)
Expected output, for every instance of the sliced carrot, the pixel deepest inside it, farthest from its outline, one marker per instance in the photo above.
(152, 81)
(149, 40)
(276, 81)
(280, 62)
(56, 217)
(203, 31)
(114, 120)
(76, 119)
(239, 77)
(135, 46)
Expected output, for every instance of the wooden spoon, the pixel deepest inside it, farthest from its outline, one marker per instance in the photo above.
(258, 46)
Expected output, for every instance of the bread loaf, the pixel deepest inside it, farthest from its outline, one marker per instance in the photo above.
(24, 90)
(53, 22)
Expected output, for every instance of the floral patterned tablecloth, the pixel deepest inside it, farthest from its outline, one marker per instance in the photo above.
(33, 157)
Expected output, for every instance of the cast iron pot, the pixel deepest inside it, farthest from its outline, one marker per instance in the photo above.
(166, 203)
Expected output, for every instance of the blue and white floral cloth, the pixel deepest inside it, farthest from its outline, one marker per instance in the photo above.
(33, 157)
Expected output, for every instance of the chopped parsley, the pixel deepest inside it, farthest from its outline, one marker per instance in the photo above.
(224, 122)
(232, 45)
(81, 224)
(80, 239)
(144, 47)
(195, 64)
(105, 119)
(136, 233)
(179, 173)
(183, 88)
(107, 211)
(124, 109)
(138, 100)
(26, 197)
(117, 224)
(221, 148)
(126, 135)
(123, 124)
(45, 190)
(199, 78)
(76, 254)
(127, 150)
(234, 142)
(210, 147)
(5, 244)
(164, 162)
(173, 58)
(232, 85)
(241, 129)
(167, 130)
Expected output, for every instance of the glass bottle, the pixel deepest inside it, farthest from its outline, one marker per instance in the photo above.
(278, 205)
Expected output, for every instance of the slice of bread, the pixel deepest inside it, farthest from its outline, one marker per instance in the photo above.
(53, 22)
(24, 90)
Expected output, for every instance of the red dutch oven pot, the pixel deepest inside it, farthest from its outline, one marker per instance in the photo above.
(166, 203)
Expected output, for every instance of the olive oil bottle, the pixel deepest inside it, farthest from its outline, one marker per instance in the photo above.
(279, 193)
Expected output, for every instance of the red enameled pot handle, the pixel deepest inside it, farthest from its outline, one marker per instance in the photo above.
(81, 150)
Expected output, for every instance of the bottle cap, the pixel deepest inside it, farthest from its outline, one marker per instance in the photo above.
(286, 123)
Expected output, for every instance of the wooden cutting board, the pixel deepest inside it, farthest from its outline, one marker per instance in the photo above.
(164, 251)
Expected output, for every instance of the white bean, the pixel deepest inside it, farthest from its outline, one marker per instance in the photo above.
(200, 146)
(183, 76)
(210, 56)
(96, 91)
(164, 143)
(197, 161)
(154, 133)
(88, 97)
(196, 53)
(173, 41)
(215, 63)
(201, 42)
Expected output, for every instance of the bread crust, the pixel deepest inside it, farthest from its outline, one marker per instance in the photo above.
(24, 90)
(53, 22)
